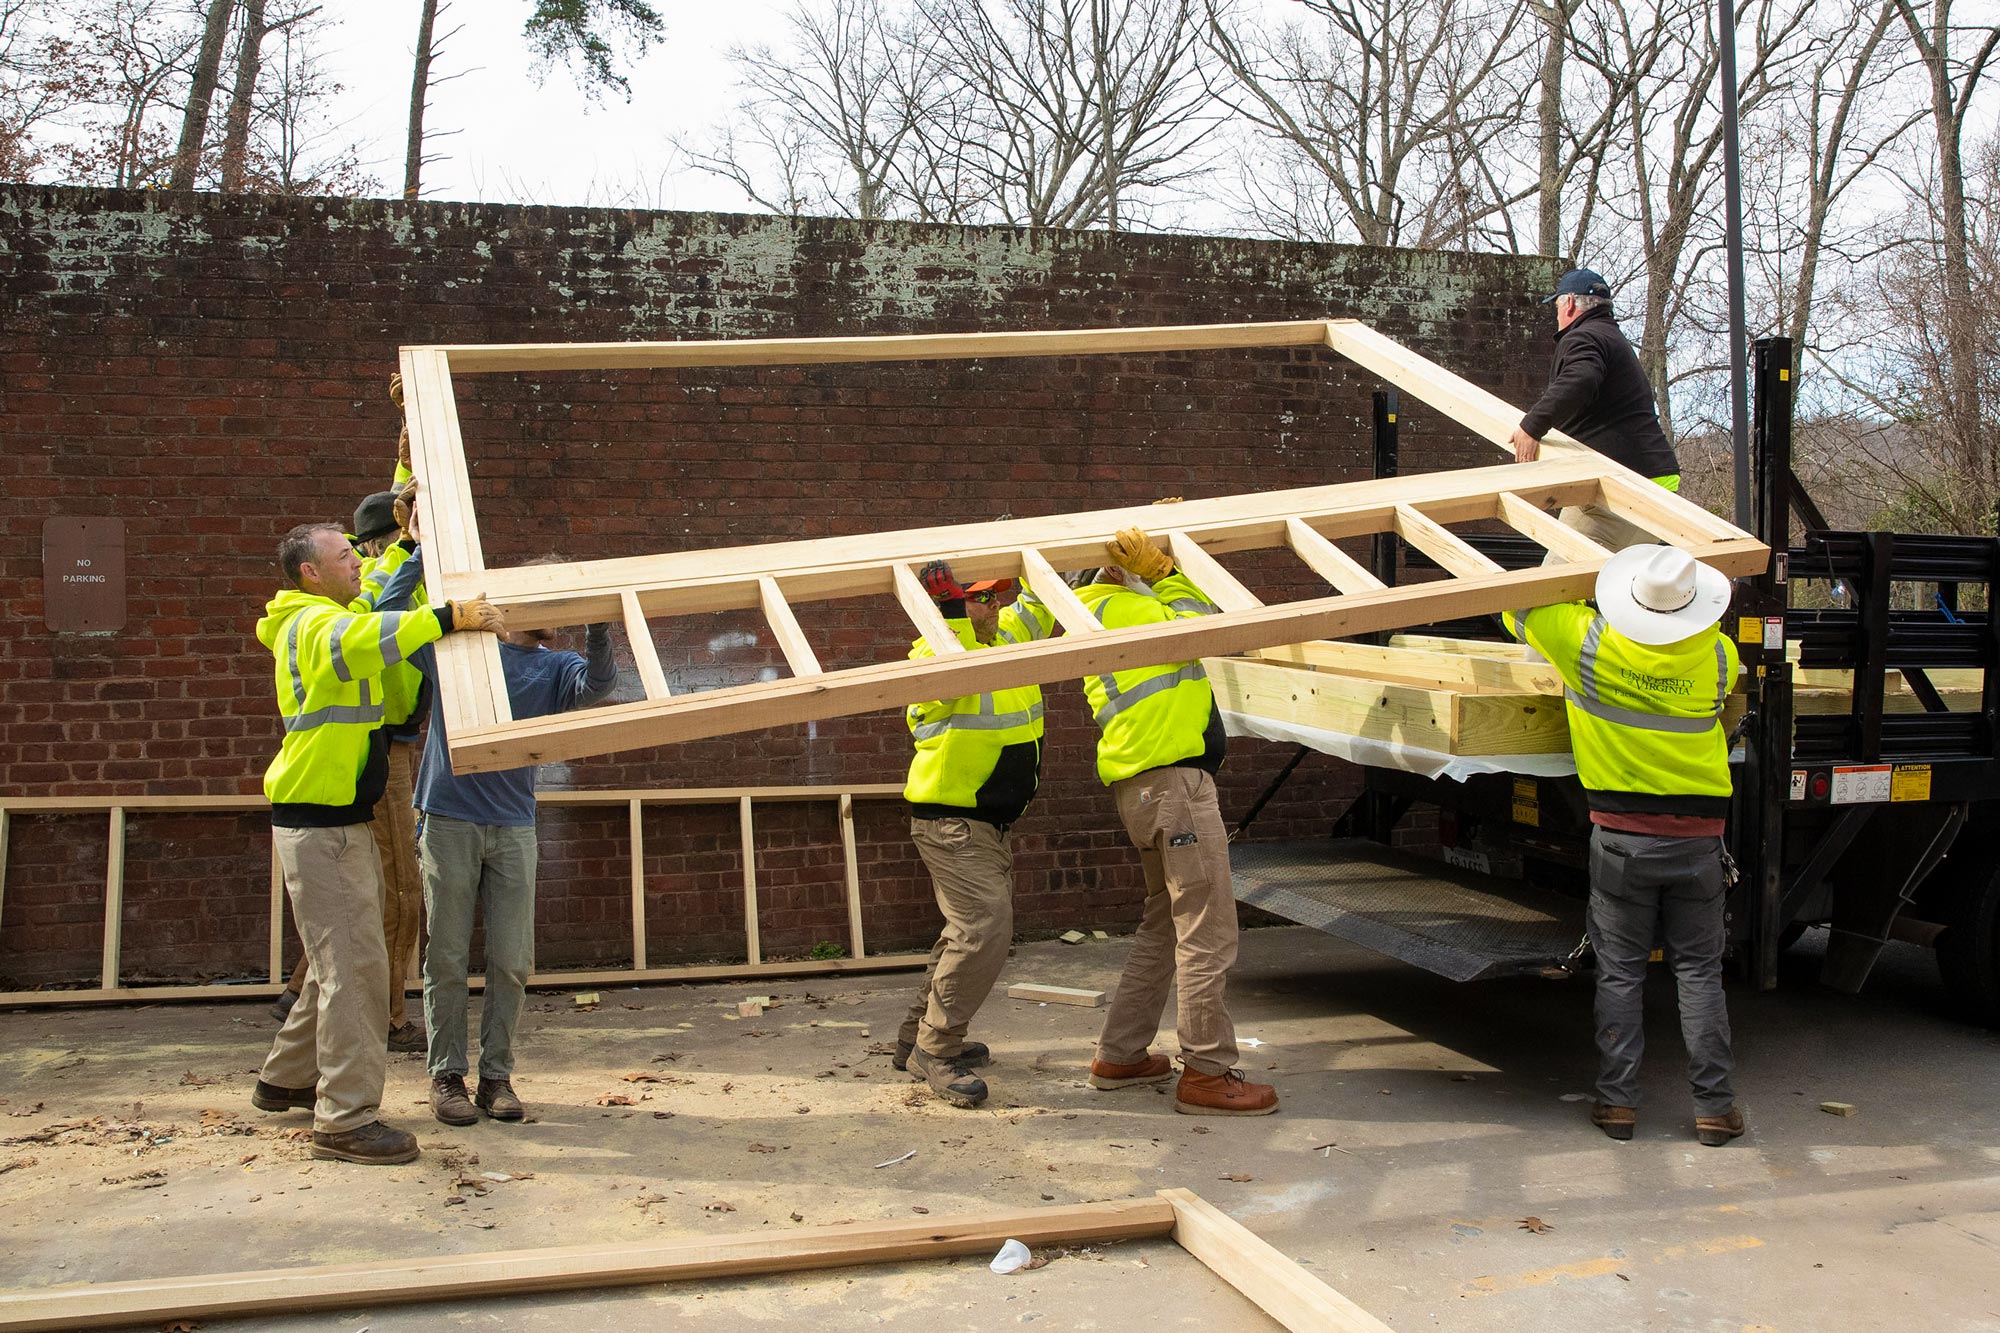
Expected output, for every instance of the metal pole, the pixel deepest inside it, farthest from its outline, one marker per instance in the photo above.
(1739, 354)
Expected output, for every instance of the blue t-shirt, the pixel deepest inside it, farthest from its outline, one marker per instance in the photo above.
(540, 681)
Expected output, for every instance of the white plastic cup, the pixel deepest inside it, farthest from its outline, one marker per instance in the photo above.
(1013, 1255)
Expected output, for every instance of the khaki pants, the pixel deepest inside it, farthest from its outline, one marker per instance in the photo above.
(972, 871)
(333, 1036)
(1187, 934)
(395, 833)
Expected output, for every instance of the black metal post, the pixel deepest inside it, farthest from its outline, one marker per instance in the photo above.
(1759, 831)
(1386, 465)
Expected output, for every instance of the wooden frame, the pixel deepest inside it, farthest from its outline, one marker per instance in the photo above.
(1295, 1298)
(771, 578)
(118, 808)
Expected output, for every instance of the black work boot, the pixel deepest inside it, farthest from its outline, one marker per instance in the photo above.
(949, 1077)
(374, 1144)
(271, 1097)
(281, 1008)
(448, 1100)
(496, 1098)
(409, 1039)
(973, 1055)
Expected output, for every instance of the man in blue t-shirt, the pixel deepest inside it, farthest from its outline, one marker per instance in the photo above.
(476, 847)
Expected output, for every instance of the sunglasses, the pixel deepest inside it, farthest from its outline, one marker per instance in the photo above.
(986, 598)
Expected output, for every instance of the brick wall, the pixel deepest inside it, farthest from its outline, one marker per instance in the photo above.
(212, 370)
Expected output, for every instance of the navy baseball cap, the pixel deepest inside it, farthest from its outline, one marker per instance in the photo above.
(1580, 282)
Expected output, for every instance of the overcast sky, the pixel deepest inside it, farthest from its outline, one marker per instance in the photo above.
(541, 144)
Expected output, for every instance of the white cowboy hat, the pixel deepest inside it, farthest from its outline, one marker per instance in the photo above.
(1660, 594)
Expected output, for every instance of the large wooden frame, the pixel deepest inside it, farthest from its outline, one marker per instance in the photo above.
(1295, 1298)
(770, 578)
(117, 808)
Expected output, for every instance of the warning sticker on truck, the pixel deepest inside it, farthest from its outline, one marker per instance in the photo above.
(1527, 802)
(1862, 785)
(1911, 782)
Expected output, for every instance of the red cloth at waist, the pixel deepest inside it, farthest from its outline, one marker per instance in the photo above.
(1660, 826)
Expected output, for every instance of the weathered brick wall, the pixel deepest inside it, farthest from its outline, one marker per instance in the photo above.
(212, 370)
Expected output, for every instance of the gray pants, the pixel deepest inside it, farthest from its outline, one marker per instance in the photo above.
(1644, 889)
(490, 867)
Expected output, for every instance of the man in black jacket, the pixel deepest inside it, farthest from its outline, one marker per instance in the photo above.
(1598, 395)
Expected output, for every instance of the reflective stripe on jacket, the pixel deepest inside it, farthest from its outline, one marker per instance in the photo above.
(402, 685)
(1645, 722)
(1149, 717)
(980, 753)
(329, 660)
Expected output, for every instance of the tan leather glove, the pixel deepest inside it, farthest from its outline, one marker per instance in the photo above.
(477, 613)
(1168, 500)
(1133, 551)
(405, 510)
(403, 450)
(396, 388)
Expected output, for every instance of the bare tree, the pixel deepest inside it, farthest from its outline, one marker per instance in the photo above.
(236, 127)
(1379, 114)
(1062, 113)
(294, 145)
(200, 95)
(130, 61)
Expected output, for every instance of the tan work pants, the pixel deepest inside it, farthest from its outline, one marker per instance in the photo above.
(1187, 935)
(972, 871)
(395, 833)
(333, 1036)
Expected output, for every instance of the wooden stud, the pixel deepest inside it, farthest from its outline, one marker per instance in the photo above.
(1661, 512)
(136, 803)
(1247, 1262)
(851, 861)
(785, 629)
(1207, 573)
(1056, 594)
(114, 897)
(1565, 542)
(636, 819)
(755, 949)
(1336, 566)
(463, 1278)
(277, 958)
(1441, 544)
(645, 653)
(1082, 999)
(4, 815)
(924, 614)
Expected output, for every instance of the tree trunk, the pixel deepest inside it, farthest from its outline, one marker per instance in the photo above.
(207, 71)
(236, 134)
(420, 83)
(1548, 127)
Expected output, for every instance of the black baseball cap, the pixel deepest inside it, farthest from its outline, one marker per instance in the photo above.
(375, 517)
(1580, 282)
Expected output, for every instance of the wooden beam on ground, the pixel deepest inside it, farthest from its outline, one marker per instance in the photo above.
(754, 949)
(1082, 999)
(850, 860)
(290, 1292)
(1247, 1262)
(114, 897)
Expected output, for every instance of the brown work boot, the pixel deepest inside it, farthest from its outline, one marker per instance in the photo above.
(271, 1097)
(496, 1098)
(973, 1054)
(1617, 1122)
(374, 1144)
(448, 1100)
(1223, 1094)
(949, 1077)
(408, 1039)
(1152, 1069)
(1716, 1130)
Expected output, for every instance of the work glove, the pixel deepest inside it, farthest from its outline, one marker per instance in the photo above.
(396, 388)
(1133, 551)
(403, 450)
(405, 510)
(1168, 500)
(477, 613)
(939, 583)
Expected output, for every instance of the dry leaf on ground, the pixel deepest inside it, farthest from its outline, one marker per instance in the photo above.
(1534, 1224)
(1239, 1179)
(616, 1099)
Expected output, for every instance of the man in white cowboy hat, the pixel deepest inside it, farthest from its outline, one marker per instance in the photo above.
(1645, 675)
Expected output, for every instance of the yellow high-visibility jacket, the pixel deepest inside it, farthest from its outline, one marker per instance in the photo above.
(329, 660)
(980, 755)
(1645, 722)
(1150, 717)
(405, 694)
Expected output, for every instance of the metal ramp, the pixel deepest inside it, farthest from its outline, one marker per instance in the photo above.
(1457, 923)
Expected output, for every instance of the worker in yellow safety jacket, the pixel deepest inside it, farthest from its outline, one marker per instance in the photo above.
(1645, 676)
(978, 761)
(381, 537)
(1160, 745)
(323, 786)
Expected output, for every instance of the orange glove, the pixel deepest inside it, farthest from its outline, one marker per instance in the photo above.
(1133, 551)
(477, 613)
